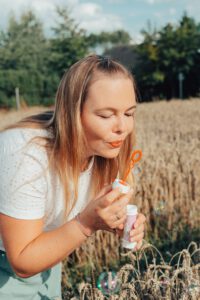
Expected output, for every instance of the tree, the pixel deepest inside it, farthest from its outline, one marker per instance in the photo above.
(147, 72)
(68, 44)
(178, 51)
(166, 53)
(23, 50)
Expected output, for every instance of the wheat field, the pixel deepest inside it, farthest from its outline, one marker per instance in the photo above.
(167, 192)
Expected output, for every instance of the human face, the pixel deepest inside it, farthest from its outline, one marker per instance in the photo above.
(108, 115)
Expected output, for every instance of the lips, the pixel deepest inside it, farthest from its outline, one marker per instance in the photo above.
(116, 144)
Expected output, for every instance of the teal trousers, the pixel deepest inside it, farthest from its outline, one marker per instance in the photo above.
(43, 286)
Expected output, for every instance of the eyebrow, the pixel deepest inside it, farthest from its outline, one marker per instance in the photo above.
(113, 109)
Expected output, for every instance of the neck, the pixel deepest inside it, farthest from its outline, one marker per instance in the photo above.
(85, 164)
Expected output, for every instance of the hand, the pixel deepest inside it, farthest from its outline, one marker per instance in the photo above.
(137, 233)
(107, 211)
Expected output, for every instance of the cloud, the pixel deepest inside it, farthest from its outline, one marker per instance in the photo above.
(157, 1)
(89, 10)
(102, 24)
(193, 9)
(89, 15)
(172, 11)
(92, 18)
(151, 1)
(115, 1)
(95, 16)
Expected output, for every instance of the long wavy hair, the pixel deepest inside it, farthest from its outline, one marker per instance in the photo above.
(66, 141)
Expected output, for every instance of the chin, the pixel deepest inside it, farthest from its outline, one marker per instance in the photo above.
(109, 154)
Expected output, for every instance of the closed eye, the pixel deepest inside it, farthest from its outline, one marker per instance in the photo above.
(105, 117)
(130, 115)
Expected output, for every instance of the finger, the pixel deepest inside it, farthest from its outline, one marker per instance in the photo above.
(104, 190)
(121, 227)
(123, 200)
(137, 231)
(115, 223)
(139, 245)
(127, 196)
(137, 238)
(114, 195)
(140, 220)
(119, 203)
(110, 197)
(117, 213)
(119, 222)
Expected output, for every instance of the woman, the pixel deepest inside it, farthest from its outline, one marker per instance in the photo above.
(56, 170)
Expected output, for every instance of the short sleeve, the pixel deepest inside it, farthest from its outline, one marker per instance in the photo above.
(23, 184)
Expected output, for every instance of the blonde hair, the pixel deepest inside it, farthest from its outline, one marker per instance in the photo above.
(66, 132)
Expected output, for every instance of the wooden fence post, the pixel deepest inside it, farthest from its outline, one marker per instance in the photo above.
(17, 98)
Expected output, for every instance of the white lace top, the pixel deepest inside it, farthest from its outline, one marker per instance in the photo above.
(27, 189)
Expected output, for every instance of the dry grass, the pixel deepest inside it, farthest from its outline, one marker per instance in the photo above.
(168, 190)
(169, 135)
(179, 281)
(168, 187)
(12, 116)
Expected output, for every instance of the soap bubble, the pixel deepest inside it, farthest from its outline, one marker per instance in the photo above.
(194, 288)
(108, 283)
(164, 283)
(160, 207)
(196, 257)
(136, 170)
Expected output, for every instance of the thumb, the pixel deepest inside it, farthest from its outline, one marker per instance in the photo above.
(107, 188)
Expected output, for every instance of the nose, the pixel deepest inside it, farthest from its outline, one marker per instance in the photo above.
(120, 125)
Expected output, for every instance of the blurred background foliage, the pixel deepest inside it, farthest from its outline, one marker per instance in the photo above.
(35, 63)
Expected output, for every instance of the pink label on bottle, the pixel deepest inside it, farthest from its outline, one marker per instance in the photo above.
(130, 220)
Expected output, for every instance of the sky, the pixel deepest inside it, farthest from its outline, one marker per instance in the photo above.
(108, 15)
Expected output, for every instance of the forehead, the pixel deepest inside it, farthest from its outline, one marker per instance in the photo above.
(115, 91)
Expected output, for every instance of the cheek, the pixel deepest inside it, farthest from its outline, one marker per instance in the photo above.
(130, 125)
(95, 130)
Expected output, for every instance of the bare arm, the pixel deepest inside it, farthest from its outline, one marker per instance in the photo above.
(30, 250)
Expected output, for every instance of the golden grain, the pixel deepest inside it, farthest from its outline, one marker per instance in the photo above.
(168, 187)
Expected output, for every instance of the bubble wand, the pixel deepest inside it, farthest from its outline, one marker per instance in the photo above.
(121, 183)
(133, 160)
